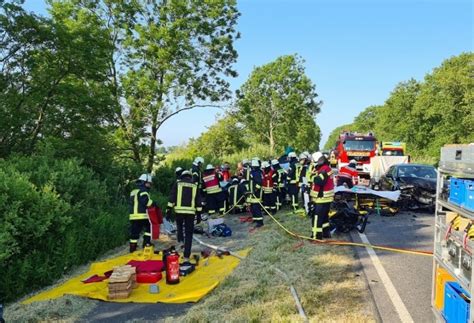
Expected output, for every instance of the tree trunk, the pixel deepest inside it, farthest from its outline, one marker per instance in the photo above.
(152, 150)
(271, 139)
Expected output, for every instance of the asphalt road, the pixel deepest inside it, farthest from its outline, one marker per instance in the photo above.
(410, 275)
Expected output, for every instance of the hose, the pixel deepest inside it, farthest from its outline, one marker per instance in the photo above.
(277, 270)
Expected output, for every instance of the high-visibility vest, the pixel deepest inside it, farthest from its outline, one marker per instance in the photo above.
(281, 177)
(186, 197)
(211, 183)
(267, 183)
(138, 210)
(324, 194)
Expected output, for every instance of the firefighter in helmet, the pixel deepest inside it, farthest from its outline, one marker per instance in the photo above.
(292, 178)
(255, 193)
(212, 189)
(322, 194)
(280, 183)
(139, 201)
(185, 201)
(269, 187)
(348, 175)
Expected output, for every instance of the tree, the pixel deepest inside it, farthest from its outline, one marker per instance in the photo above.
(276, 100)
(52, 74)
(334, 135)
(169, 56)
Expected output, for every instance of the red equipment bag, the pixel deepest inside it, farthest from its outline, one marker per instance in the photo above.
(155, 216)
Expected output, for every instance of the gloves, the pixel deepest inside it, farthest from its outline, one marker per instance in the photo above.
(168, 214)
(198, 217)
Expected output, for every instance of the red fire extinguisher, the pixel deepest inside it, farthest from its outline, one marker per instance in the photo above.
(172, 268)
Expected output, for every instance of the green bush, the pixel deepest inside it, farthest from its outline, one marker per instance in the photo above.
(55, 215)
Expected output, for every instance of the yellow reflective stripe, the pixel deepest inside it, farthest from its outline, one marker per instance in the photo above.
(138, 216)
(257, 219)
(326, 225)
(213, 190)
(148, 234)
(199, 209)
(170, 204)
(133, 240)
(135, 200)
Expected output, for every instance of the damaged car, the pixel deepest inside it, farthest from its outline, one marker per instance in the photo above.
(416, 182)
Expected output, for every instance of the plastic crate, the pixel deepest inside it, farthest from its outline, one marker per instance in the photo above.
(442, 276)
(468, 195)
(456, 191)
(456, 303)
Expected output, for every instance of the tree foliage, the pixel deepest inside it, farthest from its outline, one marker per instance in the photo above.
(278, 104)
(426, 115)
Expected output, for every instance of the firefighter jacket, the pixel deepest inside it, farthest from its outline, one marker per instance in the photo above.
(140, 200)
(302, 175)
(349, 173)
(246, 173)
(293, 173)
(197, 176)
(211, 182)
(281, 176)
(255, 185)
(184, 197)
(322, 190)
(269, 181)
(310, 173)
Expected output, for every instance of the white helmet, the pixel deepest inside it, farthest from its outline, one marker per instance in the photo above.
(292, 155)
(245, 161)
(198, 160)
(209, 167)
(145, 178)
(303, 156)
(186, 173)
(317, 155)
(308, 155)
(256, 158)
(255, 163)
(178, 169)
(265, 164)
(353, 161)
(275, 162)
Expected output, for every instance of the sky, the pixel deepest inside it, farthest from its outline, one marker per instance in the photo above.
(355, 51)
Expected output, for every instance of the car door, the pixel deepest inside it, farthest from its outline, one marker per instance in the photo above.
(385, 182)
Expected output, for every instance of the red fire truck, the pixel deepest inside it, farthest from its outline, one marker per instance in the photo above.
(360, 147)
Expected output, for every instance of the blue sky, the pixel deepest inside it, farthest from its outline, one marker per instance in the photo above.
(355, 51)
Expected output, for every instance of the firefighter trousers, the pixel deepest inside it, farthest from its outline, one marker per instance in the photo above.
(256, 211)
(185, 225)
(320, 221)
(293, 191)
(269, 201)
(281, 197)
(215, 203)
(136, 227)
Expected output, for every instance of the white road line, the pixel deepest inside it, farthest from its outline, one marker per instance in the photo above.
(397, 302)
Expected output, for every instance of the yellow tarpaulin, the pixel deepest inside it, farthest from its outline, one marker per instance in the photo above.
(190, 289)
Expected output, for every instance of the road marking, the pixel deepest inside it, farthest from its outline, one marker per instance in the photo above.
(397, 302)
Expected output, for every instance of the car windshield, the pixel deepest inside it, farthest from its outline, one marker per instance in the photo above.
(365, 145)
(417, 171)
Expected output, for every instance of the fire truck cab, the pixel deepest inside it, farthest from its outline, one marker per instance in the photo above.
(360, 147)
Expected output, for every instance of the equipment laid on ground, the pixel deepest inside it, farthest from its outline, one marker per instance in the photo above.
(453, 240)
(343, 217)
(185, 270)
(121, 282)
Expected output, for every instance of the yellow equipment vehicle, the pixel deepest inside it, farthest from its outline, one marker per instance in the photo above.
(392, 148)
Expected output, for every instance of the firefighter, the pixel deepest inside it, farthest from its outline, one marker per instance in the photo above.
(348, 175)
(245, 171)
(292, 179)
(280, 183)
(255, 193)
(213, 191)
(196, 171)
(236, 196)
(185, 201)
(269, 187)
(140, 200)
(302, 179)
(322, 194)
(178, 171)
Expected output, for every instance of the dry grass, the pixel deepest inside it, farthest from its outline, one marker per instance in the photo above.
(324, 276)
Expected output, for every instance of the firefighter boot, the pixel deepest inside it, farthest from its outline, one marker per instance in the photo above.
(133, 247)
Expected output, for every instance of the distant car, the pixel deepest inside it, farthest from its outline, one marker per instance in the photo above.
(416, 182)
